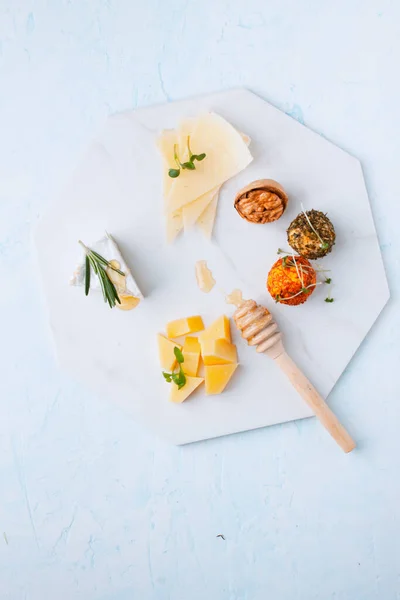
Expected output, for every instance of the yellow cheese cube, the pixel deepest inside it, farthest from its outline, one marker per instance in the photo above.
(191, 345)
(217, 377)
(177, 396)
(191, 355)
(166, 352)
(218, 352)
(219, 330)
(184, 326)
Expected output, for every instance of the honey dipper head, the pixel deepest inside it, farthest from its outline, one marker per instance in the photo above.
(257, 326)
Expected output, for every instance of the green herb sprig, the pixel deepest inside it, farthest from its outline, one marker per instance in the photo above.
(98, 263)
(179, 378)
(189, 164)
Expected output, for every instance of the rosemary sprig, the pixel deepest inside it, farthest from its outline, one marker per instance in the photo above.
(178, 378)
(189, 164)
(87, 275)
(99, 264)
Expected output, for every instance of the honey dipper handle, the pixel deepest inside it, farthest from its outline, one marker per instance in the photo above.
(315, 402)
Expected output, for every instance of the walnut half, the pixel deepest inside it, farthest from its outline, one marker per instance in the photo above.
(261, 201)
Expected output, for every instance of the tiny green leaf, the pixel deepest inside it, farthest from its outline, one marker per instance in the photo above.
(181, 379)
(284, 259)
(178, 355)
(188, 165)
(305, 290)
(328, 280)
(329, 299)
(324, 245)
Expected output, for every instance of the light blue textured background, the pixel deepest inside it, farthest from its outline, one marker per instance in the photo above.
(91, 506)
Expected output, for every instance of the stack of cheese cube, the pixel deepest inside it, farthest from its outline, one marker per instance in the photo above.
(192, 197)
(213, 347)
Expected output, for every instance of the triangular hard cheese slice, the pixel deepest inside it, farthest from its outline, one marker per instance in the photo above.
(174, 220)
(192, 211)
(174, 224)
(219, 330)
(217, 377)
(218, 352)
(166, 353)
(191, 354)
(165, 144)
(206, 220)
(178, 396)
(226, 155)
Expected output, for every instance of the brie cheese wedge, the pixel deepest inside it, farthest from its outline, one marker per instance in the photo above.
(126, 286)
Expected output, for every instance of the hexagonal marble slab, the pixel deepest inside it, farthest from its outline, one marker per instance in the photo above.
(117, 187)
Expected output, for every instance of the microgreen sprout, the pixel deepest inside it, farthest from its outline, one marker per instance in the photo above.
(189, 164)
(179, 378)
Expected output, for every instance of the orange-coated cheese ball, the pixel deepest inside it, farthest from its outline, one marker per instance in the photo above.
(291, 280)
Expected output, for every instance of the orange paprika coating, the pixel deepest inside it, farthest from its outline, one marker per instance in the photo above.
(284, 284)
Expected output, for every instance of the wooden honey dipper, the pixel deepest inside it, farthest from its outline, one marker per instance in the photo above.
(259, 328)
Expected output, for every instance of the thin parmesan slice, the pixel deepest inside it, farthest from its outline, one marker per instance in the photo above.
(206, 220)
(174, 224)
(165, 144)
(192, 211)
(226, 155)
(167, 141)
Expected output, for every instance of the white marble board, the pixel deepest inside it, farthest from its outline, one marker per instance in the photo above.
(117, 187)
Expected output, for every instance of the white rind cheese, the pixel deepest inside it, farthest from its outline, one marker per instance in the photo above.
(108, 249)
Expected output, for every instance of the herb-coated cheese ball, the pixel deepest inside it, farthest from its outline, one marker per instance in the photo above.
(311, 234)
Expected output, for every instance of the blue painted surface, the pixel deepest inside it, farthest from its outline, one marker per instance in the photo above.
(91, 506)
